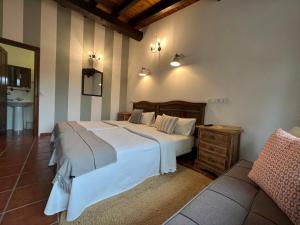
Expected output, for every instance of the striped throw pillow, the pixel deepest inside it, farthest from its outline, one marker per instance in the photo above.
(167, 124)
(157, 121)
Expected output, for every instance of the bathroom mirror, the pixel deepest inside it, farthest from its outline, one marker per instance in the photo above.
(92, 82)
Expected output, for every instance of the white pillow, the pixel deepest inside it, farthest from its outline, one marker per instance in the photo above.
(295, 131)
(148, 118)
(157, 121)
(185, 126)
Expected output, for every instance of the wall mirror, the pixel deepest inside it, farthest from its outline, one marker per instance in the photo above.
(92, 82)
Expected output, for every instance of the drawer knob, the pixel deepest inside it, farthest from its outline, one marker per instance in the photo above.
(212, 137)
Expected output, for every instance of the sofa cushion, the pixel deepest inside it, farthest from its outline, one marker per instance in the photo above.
(180, 220)
(226, 201)
(244, 163)
(264, 205)
(241, 173)
(255, 219)
(238, 190)
(211, 208)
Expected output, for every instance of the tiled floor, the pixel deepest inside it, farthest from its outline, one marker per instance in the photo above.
(25, 180)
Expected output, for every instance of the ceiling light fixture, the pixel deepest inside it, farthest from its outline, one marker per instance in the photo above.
(176, 61)
(144, 72)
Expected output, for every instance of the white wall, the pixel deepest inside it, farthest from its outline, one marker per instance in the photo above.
(248, 51)
(47, 65)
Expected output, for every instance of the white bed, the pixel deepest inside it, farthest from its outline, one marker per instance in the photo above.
(142, 152)
(171, 145)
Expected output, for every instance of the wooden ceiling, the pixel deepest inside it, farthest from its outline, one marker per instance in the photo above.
(127, 16)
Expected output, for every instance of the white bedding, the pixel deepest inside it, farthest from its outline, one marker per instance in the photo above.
(95, 125)
(138, 158)
(171, 145)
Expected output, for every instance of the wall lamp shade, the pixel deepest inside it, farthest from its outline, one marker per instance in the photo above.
(144, 72)
(176, 61)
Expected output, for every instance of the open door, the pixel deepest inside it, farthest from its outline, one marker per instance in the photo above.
(3, 90)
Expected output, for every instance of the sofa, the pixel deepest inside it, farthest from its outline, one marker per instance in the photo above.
(232, 199)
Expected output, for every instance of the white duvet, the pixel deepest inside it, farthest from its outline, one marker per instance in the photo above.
(170, 145)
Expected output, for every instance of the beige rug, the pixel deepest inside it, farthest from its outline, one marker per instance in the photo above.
(149, 203)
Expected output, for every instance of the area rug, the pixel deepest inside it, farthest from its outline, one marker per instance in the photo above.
(150, 203)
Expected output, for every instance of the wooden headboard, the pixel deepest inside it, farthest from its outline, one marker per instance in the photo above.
(174, 108)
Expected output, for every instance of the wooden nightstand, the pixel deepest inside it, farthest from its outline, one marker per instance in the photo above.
(123, 115)
(218, 147)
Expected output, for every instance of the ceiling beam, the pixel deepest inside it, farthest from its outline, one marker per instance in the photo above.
(123, 7)
(161, 5)
(89, 10)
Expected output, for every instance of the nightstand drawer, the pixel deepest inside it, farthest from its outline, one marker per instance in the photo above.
(213, 149)
(214, 138)
(212, 160)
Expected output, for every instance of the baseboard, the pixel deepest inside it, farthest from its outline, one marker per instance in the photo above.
(45, 134)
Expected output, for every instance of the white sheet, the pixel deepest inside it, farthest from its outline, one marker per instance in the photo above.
(171, 145)
(137, 159)
(95, 125)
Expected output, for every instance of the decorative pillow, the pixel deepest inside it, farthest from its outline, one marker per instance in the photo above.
(185, 126)
(136, 116)
(157, 121)
(277, 172)
(295, 131)
(167, 124)
(148, 118)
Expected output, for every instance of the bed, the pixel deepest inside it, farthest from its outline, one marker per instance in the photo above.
(141, 152)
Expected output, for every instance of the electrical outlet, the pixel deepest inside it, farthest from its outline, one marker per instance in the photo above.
(218, 100)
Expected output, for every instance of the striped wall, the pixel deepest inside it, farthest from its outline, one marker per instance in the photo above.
(64, 37)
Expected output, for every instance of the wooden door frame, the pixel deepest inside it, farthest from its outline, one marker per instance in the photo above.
(36, 50)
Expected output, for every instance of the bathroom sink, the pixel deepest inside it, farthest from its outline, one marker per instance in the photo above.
(18, 103)
(18, 113)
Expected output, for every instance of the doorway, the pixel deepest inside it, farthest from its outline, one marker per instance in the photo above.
(19, 87)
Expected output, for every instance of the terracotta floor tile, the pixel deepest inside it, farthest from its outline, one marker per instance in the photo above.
(28, 194)
(11, 155)
(3, 199)
(29, 215)
(43, 176)
(8, 161)
(7, 183)
(34, 156)
(43, 148)
(10, 170)
(28, 200)
(36, 165)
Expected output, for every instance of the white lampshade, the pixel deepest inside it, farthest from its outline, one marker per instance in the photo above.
(144, 72)
(176, 61)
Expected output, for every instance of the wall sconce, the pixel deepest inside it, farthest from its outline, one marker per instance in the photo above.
(93, 56)
(144, 72)
(156, 47)
(176, 61)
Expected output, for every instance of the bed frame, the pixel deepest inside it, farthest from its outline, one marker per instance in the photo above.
(174, 108)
